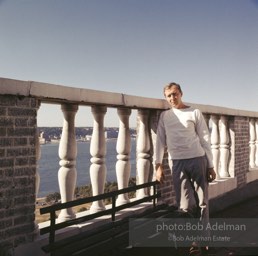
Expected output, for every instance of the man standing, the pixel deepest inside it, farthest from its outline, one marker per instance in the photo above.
(183, 130)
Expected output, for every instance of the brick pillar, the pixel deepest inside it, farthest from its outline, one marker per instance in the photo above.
(167, 188)
(18, 134)
(239, 129)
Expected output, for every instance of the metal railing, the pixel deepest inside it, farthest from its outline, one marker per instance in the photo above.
(113, 195)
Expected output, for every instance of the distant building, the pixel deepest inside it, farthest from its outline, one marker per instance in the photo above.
(42, 140)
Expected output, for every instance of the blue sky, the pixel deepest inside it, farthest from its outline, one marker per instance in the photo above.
(134, 47)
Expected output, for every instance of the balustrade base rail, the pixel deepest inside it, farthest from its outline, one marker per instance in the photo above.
(53, 246)
(109, 239)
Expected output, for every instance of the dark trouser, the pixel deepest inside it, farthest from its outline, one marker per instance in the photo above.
(191, 186)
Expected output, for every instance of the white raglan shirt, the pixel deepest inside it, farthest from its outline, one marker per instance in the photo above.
(185, 134)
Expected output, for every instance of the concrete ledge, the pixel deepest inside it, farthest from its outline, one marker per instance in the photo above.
(252, 175)
(14, 87)
(222, 186)
(56, 94)
(91, 224)
(35, 247)
(234, 197)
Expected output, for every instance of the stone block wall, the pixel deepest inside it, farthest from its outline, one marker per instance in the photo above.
(239, 127)
(18, 135)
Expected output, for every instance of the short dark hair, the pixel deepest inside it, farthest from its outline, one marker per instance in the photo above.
(168, 86)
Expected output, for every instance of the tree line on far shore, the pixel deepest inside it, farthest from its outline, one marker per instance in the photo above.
(86, 191)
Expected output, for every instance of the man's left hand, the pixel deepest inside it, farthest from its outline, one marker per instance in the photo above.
(211, 174)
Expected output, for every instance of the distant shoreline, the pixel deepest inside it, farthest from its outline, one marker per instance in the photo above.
(78, 141)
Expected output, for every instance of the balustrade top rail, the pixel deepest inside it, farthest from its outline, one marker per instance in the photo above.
(56, 94)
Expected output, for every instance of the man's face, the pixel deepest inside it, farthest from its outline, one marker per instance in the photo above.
(174, 97)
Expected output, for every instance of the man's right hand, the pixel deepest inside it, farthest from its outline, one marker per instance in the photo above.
(160, 173)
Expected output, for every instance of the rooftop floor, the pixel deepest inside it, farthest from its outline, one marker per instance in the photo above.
(246, 209)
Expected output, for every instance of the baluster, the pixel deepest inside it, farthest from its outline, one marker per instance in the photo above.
(252, 142)
(224, 147)
(67, 174)
(123, 147)
(215, 143)
(98, 168)
(256, 142)
(143, 151)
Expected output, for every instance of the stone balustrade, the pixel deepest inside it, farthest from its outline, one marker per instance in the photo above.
(234, 143)
(253, 142)
(123, 147)
(67, 173)
(98, 153)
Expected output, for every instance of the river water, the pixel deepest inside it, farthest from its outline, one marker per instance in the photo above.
(49, 165)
